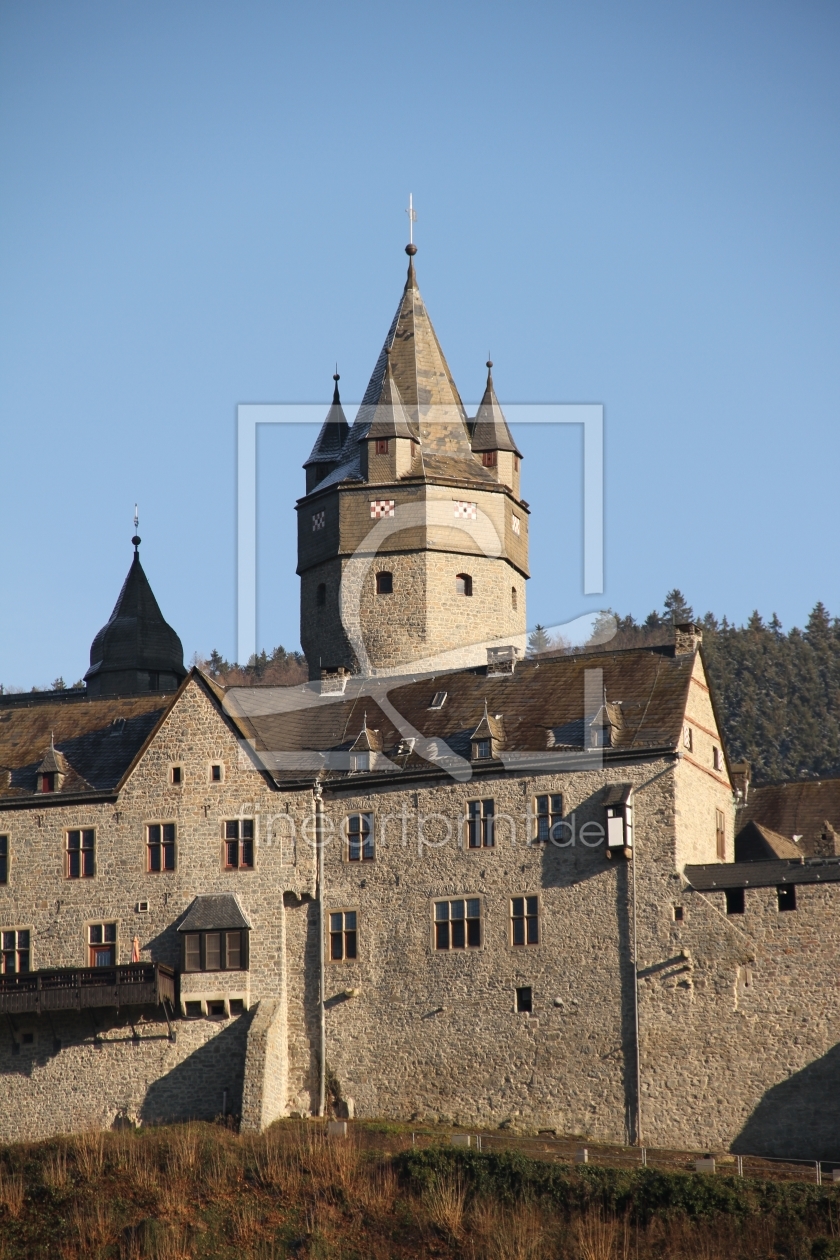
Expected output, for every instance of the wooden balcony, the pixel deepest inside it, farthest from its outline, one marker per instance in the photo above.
(78, 988)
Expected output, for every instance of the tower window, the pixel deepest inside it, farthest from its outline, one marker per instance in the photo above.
(321, 594)
(734, 901)
(382, 446)
(463, 584)
(720, 833)
(514, 598)
(384, 583)
(516, 463)
(489, 459)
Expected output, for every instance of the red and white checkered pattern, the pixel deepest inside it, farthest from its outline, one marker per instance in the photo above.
(381, 507)
(464, 511)
(319, 520)
(515, 523)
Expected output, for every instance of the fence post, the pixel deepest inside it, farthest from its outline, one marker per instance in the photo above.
(739, 1159)
(819, 1173)
(644, 1157)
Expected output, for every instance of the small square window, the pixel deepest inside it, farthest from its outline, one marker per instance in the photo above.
(786, 894)
(216, 773)
(343, 936)
(176, 775)
(27, 1039)
(679, 914)
(525, 1000)
(216, 1010)
(734, 901)
(237, 1006)
(193, 1010)
(382, 446)
(384, 583)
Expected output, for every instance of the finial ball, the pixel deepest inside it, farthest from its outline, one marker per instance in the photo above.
(411, 250)
(136, 541)
(336, 376)
(489, 363)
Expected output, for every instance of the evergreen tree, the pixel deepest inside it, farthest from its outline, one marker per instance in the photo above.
(538, 641)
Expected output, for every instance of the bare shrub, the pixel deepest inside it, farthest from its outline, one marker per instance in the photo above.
(93, 1223)
(184, 1151)
(445, 1200)
(244, 1222)
(12, 1191)
(330, 1161)
(54, 1170)
(89, 1152)
(173, 1243)
(376, 1188)
(601, 1236)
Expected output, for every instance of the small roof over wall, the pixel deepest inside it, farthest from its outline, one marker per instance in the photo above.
(214, 912)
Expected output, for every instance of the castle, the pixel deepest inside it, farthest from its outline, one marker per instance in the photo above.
(442, 880)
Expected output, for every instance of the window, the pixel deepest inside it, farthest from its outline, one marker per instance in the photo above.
(688, 737)
(215, 951)
(343, 936)
(489, 459)
(548, 814)
(717, 759)
(4, 859)
(236, 1006)
(15, 954)
(458, 924)
(734, 901)
(516, 463)
(514, 598)
(321, 594)
(720, 833)
(216, 773)
(482, 749)
(360, 762)
(679, 914)
(360, 838)
(524, 921)
(480, 819)
(216, 1009)
(382, 446)
(177, 776)
(786, 894)
(160, 847)
(463, 584)
(525, 1000)
(239, 844)
(102, 944)
(384, 583)
(48, 782)
(438, 700)
(193, 1010)
(80, 853)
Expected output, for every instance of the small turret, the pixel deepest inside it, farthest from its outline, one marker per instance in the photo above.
(326, 453)
(491, 438)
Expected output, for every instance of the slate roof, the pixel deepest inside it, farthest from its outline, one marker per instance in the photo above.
(489, 429)
(136, 635)
(755, 843)
(716, 876)
(214, 912)
(333, 434)
(96, 739)
(295, 731)
(796, 809)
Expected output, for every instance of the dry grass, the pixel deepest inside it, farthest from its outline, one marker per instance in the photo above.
(445, 1201)
(517, 1233)
(93, 1224)
(12, 1193)
(54, 1171)
(89, 1151)
(602, 1236)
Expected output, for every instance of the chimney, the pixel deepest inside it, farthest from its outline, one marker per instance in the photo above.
(687, 638)
(334, 680)
(741, 777)
(502, 660)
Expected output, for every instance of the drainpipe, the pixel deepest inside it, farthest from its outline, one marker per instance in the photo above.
(322, 1014)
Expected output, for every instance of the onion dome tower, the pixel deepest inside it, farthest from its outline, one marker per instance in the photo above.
(136, 650)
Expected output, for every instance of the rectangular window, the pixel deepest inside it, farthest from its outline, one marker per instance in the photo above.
(176, 775)
(382, 446)
(160, 847)
(720, 833)
(525, 921)
(489, 459)
(483, 749)
(688, 737)
(548, 813)
(717, 759)
(80, 853)
(215, 951)
(4, 859)
(679, 914)
(15, 954)
(458, 923)
(102, 944)
(480, 819)
(343, 936)
(734, 901)
(239, 844)
(216, 774)
(525, 1000)
(786, 894)
(360, 838)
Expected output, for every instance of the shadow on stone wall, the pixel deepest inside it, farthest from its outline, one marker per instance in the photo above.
(194, 1088)
(800, 1117)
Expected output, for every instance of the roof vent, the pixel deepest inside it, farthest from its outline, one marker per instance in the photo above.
(502, 660)
(334, 680)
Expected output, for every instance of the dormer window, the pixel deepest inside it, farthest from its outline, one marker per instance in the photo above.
(48, 782)
(489, 459)
(360, 762)
(482, 749)
(463, 584)
(382, 446)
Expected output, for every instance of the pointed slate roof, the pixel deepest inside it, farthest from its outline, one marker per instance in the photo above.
(136, 637)
(389, 417)
(333, 434)
(489, 429)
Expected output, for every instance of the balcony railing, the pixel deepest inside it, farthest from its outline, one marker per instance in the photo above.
(76, 989)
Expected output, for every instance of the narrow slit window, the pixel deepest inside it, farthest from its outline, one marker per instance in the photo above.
(720, 833)
(514, 598)
(321, 594)
(4, 859)
(177, 776)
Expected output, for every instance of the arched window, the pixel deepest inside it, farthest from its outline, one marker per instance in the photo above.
(514, 598)
(463, 584)
(384, 583)
(321, 594)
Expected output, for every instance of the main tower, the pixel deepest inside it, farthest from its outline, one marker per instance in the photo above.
(412, 536)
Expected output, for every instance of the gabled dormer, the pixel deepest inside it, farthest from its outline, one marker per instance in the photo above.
(365, 750)
(491, 439)
(488, 738)
(52, 771)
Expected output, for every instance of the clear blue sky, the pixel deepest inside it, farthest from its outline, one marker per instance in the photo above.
(202, 205)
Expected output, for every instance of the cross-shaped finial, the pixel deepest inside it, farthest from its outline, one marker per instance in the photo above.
(412, 218)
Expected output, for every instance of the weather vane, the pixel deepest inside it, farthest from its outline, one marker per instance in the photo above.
(412, 219)
(136, 518)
